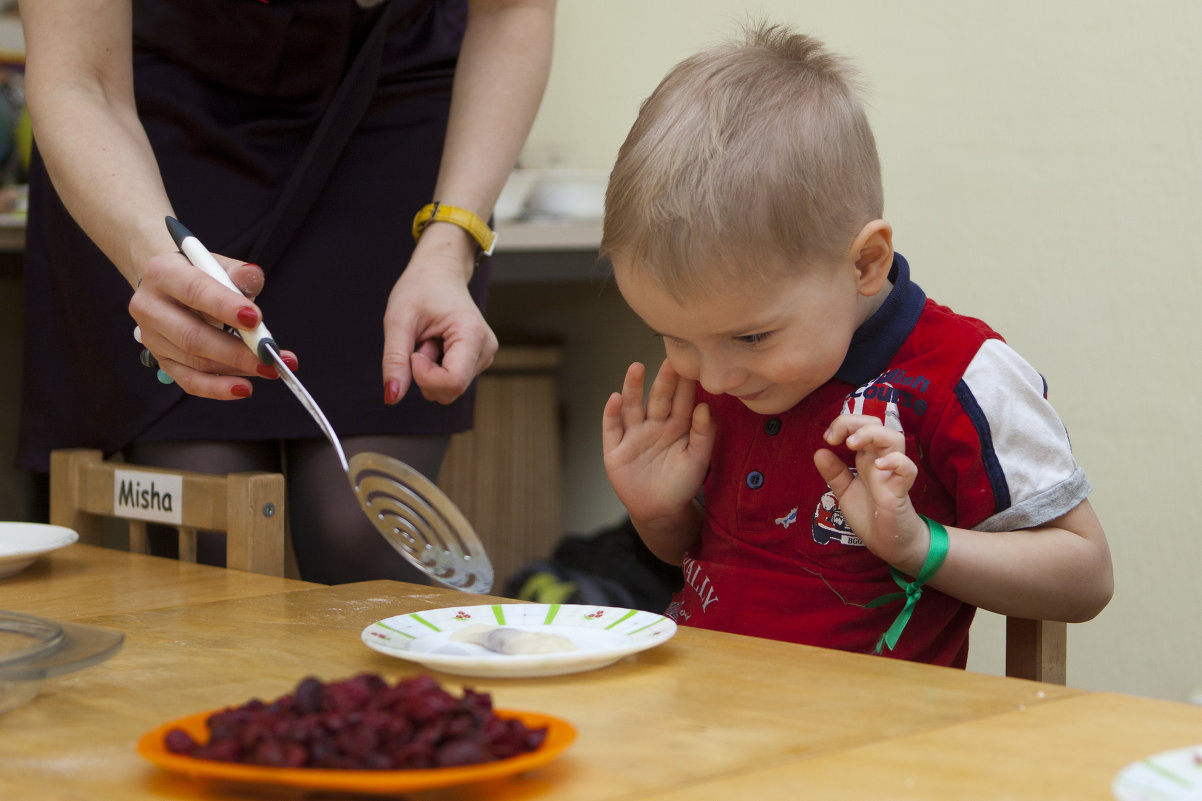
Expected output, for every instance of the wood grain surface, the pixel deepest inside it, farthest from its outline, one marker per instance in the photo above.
(706, 715)
(89, 580)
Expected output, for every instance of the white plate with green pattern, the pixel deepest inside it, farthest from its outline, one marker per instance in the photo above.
(593, 636)
(1169, 776)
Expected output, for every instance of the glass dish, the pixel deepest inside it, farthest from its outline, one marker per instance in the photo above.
(33, 649)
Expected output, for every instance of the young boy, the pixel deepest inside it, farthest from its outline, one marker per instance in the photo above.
(831, 457)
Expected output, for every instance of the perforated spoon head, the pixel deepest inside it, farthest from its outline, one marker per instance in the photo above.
(420, 522)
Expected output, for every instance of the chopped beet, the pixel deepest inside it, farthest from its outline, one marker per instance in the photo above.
(179, 741)
(362, 723)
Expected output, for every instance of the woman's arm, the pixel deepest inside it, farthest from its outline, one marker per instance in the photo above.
(499, 82)
(79, 85)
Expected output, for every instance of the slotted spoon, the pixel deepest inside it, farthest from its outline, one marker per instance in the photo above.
(417, 518)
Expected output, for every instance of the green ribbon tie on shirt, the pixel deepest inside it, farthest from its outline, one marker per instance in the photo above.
(912, 590)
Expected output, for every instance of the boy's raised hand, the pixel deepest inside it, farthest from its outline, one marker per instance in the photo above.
(876, 499)
(656, 456)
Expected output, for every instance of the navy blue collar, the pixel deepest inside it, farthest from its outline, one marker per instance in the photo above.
(879, 338)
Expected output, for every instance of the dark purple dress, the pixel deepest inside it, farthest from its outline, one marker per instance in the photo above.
(231, 92)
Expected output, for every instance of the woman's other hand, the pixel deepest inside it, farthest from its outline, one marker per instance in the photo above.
(434, 334)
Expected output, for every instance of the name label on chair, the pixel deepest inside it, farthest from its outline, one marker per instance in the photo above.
(156, 497)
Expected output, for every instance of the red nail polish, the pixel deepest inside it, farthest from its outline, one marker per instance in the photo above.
(290, 361)
(392, 391)
(248, 317)
(266, 372)
(240, 391)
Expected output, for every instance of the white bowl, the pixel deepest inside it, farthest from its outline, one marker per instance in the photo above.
(511, 203)
(22, 543)
(568, 195)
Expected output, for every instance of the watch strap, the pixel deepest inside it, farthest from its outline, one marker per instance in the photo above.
(472, 223)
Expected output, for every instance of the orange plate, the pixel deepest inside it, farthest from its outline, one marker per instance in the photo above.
(560, 735)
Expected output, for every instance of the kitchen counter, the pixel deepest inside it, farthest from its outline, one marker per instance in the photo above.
(544, 250)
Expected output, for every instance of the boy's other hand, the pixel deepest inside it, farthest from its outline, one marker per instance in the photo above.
(875, 500)
(657, 455)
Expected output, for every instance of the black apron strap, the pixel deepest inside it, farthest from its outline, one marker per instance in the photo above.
(346, 109)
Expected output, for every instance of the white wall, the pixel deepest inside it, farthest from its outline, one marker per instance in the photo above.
(1042, 166)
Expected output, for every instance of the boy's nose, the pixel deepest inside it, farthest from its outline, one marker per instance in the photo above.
(718, 378)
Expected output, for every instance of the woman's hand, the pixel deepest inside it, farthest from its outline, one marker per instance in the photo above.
(434, 333)
(180, 312)
(875, 500)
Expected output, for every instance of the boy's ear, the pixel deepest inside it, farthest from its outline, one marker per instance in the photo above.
(872, 254)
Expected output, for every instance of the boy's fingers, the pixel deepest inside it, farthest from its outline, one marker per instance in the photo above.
(632, 395)
(701, 435)
(859, 429)
(833, 471)
(899, 465)
(611, 423)
(684, 399)
(845, 425)
(663, 393)
(876, 437)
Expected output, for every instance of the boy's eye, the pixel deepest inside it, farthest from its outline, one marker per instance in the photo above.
(752, 339)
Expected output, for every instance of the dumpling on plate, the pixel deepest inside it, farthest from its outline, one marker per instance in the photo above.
(511, 641)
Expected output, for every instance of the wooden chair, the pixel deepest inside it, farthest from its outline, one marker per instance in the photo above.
(1036, 649)
(247, 507)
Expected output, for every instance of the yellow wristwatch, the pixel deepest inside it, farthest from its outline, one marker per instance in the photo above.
(440, 212)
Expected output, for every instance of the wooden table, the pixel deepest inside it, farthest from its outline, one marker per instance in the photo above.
(1068, 749)
(706, 715)
(87, 580)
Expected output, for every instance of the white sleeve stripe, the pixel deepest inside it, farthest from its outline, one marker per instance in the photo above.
(1020, 431)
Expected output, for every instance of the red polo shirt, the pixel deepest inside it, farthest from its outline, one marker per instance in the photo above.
(776, 558)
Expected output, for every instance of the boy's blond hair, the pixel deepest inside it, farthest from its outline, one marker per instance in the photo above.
(747, 157)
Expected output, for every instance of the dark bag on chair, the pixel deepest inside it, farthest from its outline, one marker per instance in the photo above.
(610, 568)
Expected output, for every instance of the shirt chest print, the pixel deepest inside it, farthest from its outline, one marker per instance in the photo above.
(827, 524)
(695, 578)
(876, 399)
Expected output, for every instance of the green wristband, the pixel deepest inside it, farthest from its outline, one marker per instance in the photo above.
(911, 591)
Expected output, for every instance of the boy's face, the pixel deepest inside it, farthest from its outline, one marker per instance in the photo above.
(769, 343)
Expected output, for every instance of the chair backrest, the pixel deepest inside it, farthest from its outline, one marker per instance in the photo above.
(247, 507)
(1036, 649)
